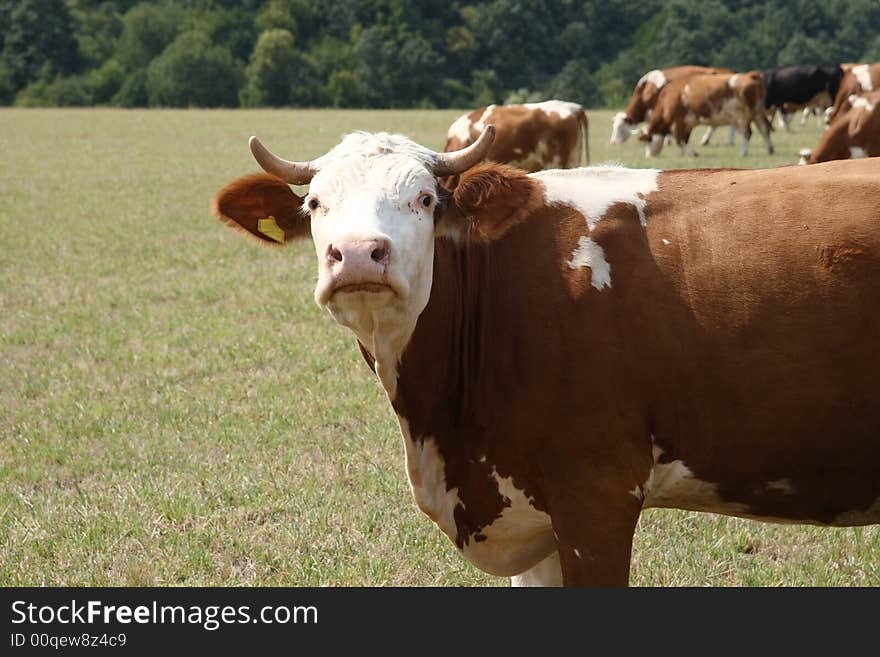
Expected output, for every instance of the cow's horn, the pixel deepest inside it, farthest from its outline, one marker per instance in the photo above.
(449, 164)
(295, 173)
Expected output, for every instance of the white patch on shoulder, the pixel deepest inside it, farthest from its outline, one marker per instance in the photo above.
(592, 190)
(461, 129)
(426, 470)
(546, 573)
(863, 75)
(655, 77)
(666, 242)
(856, 152)
(589, 254)
(731, 82)
(480, 123)
(562, 108)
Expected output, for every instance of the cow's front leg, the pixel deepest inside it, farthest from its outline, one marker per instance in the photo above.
(594, 518)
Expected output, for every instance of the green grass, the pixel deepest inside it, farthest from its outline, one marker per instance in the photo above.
(174, 408)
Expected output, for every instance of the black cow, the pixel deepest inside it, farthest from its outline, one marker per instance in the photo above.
(807, 86)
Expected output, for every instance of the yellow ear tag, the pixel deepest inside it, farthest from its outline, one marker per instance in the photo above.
(270, 229)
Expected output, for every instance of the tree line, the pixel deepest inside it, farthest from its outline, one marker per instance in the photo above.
(400, 53)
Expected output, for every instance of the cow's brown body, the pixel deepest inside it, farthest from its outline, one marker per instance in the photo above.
(856, 133)
(713, 100)
(858, 79)
(745, 348)
(549, 135)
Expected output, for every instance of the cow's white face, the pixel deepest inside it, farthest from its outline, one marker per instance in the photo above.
(621, 129)
(371, 206)
(371, 210)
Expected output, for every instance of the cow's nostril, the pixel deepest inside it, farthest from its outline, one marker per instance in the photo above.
(380, 254)
(334, 254)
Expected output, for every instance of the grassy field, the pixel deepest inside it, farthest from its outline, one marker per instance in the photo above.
(174, 408)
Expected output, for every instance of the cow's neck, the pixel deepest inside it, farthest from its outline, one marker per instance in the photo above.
(445, 368)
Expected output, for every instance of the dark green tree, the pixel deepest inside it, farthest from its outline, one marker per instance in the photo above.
(37, 34)
(574, 83)
(278, 74)
(194, 72)
(147, 29)
(97, 27)
(344, 89)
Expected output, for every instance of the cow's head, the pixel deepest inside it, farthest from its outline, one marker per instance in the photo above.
(621, 128)
(373, 209)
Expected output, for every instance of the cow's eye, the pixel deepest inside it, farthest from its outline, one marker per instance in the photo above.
(314, 204)
(426, 200)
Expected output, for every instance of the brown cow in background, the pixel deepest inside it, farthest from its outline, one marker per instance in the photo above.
(644, 97)
(713, 100)
(859, 79)
(535, 136)
(855, 134)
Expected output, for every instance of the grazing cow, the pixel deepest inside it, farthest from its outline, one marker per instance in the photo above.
(713, 100)
(859, 79)
(855, 134)
(534, 136)
(566, 348)
(789, 88)
(644, 97)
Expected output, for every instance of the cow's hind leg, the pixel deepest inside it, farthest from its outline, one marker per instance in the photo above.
(682, 141)
(706, 137)
(747, 135)
(805, 115)
(764, 129)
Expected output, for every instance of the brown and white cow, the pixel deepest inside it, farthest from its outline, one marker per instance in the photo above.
(855, 134)
(857, 80)
(566, 348)
(644, 97)
(712, 100)
(553, 134)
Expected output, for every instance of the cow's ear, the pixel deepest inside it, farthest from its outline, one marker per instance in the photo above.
(263, 206)
(489, 199)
